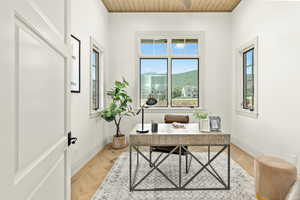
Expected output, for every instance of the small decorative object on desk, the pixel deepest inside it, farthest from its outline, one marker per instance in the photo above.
(203, 120)
(154, 127)
(178, 125)
(215, 123)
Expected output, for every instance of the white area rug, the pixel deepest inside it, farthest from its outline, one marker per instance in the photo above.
(116, 184)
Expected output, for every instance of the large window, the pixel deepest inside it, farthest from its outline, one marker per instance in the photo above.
(169, 69)
(96, 78)
(246, 88)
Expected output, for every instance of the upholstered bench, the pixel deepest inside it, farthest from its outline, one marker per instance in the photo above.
(274, 178)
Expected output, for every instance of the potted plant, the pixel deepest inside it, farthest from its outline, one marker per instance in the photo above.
(119, 108)
(203, 120)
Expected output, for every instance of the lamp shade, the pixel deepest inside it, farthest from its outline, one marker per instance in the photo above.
(151, 101)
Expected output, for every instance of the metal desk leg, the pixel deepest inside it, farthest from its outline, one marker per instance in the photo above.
(186, 163)
(137, 158)
(179, 166)
(208, 150)
(228, 184)
(130, 166)
(150, 157)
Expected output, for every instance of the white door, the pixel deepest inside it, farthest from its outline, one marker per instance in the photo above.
(34, 109)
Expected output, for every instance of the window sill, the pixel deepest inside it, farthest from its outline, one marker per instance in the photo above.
(171, 110)
(95, 114)
(247, 113)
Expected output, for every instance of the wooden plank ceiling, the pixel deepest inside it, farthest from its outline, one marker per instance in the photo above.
(170, 5)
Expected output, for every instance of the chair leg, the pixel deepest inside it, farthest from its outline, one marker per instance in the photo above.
(188, 163)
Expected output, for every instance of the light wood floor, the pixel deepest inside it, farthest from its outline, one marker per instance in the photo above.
(88, 179)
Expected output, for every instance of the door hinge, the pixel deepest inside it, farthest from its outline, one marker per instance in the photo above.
(71, 140)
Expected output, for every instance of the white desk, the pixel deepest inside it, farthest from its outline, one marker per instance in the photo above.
(180, 138)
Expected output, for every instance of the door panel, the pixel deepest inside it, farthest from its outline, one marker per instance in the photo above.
(46, 8)
(40, 89)
(32, 16)
(51, 185)
(29, 179)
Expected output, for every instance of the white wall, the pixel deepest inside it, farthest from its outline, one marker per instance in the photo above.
(88, 18)
(277, 25)
(217, 29)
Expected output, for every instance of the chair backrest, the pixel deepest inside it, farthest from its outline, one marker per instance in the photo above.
(177, 118)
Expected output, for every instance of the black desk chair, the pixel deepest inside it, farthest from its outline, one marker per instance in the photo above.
(166, 149)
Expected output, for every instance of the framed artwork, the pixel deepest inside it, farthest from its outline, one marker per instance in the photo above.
(215, 123)
(75, 67)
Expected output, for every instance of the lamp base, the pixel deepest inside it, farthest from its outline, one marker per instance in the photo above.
(142, 131)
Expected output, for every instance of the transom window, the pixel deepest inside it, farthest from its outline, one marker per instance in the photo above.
(169, 69)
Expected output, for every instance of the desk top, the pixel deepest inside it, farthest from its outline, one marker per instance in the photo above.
(168, 135)
(168, 129)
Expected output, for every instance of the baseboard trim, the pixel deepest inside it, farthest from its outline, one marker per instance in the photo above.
(253, 152)
(81, 162)
(245, 147)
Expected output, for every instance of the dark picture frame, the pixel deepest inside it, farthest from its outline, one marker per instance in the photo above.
(75, 66)
(215, 123)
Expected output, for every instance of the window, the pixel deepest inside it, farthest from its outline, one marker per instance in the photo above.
(154, 80)
(185, 82)
(169, 69)
(247, 79)
(153, 47)
(185, 47)
(96, 78)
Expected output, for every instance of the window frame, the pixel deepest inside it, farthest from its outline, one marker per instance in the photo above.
(157, 35)
(95, 46)
(240, 66)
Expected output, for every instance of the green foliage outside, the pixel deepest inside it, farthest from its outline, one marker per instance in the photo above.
(184, 79)
(176, 92)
